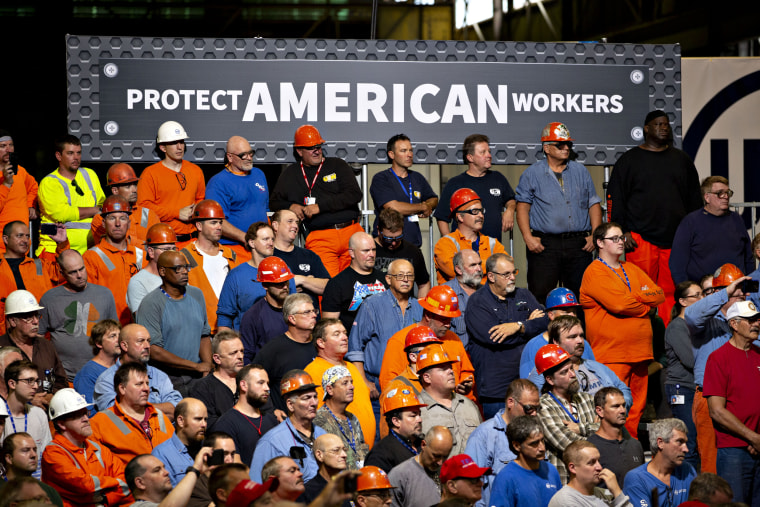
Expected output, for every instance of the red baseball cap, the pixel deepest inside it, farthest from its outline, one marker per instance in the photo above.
(248, 491)
(461, 465)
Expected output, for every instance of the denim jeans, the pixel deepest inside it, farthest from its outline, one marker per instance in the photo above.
(742, 471)
(490, 408)
(683, 412)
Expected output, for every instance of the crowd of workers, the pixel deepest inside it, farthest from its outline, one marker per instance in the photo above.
(171, 344)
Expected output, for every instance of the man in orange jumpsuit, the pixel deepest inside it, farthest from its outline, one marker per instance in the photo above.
(83, 471)
(469, 212)
(209, 261)
(113, 261)
(122, 180)
(172, 186)
(18, 192)
(132, 426)
(439, 307)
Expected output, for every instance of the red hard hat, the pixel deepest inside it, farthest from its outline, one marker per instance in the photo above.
(441, 300)
(372, 478)
(306, 136)
(725, 275)
(399, 395)
(420, 335)
(301, 381)
(550, 356)
(120, 174)
(556, 131)
(207, 209)
(432, 355)
(460, 198)
(115, 204)
(160, 234)
(273, 270)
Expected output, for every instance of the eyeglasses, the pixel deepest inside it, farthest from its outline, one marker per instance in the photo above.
(560, 144)
(615, 239)
(306, 312)
(708, 291)
(31, 382)
(77, 187)
(181, 179)
(382, 495)
(697, 295)
(723, 194)
(391, 239)
(28, 317)
(474, 211)
(317, 147)
(403, 277)
(528, 409)
(507, 274)
(245, 154)
(179, 269)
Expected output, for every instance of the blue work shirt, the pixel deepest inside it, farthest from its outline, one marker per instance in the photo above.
(498, 364)
(592, 369)
(639, 483)
(173, 454)
(528, 358)
(161, 388)
(239, 292)
(557, 209)
(386, 186)
(277, 442)
(457, 323)
(488, 446)
(378, 319)
(244, 198)
(516, 486)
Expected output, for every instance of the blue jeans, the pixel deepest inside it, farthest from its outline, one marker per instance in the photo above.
(490, 409)
(742, 471)
(683, 412)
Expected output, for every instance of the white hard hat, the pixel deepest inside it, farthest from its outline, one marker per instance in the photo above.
(170, 131)
(66, 401)
(21, 301)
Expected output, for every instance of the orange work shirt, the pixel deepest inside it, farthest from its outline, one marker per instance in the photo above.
(39, 275)
(113, 268)
(450, 244)
(140, 220)
(16, 200)
(166, 192)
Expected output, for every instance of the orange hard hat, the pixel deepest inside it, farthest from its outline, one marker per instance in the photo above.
(725, 275)
(399, 395)
(160, 234)
(441, 300)
(555, 131)
(420, 335)
(432, 355)
(299, 380)
(273, 270)
(549, 356)
(372, 478)
(207, 209)
(306, 136)
(115, 204)
(460, 198)
(120, 174)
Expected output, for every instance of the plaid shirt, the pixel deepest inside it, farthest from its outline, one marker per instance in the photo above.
(557, 435)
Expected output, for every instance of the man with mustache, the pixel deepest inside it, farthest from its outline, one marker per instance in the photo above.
(469, 274)
(731, 391)
(567, 332)
(567, 414)
(667, 473)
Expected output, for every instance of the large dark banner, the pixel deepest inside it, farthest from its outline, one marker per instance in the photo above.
(435, 92)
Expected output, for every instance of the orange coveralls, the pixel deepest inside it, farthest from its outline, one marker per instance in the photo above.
(166, 192)
(452, 243)
(113, 268)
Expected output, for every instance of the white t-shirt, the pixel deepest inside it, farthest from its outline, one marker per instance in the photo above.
(216, 268)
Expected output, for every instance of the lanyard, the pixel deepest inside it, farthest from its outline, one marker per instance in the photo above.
(261, 421)
(409, 193)
(13, 423)
(576, 420)
(309, 187)
(409, 447)
(627, 282)
(351, 442)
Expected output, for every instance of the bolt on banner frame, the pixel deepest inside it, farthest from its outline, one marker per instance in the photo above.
(361, 92)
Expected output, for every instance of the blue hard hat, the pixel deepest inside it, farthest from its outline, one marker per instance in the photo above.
(561, 298)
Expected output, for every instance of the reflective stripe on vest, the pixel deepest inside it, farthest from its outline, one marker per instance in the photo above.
(96, 496)
(161, 423)
(139, 255)
(491, 242)
(103, 257)
(144, 217)
(120, 425)
(38, 263)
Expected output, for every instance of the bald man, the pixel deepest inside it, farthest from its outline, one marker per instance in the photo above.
(242, 191)
(330, 453)
(175, 316)
(190, 420)
(346, 291)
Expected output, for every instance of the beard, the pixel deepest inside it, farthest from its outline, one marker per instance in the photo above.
(472, 280)
(573, 389)
(256, 400)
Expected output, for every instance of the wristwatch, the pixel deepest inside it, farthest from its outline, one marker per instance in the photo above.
(519, 322)
(194, 470)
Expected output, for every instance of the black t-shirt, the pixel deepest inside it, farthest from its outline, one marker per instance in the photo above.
(348, 289)
(620, 457)
(304, 262)
(278, 357)
(388, 453)
(244, 430)
(408, 252)
(14, 264)
(214, 394)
